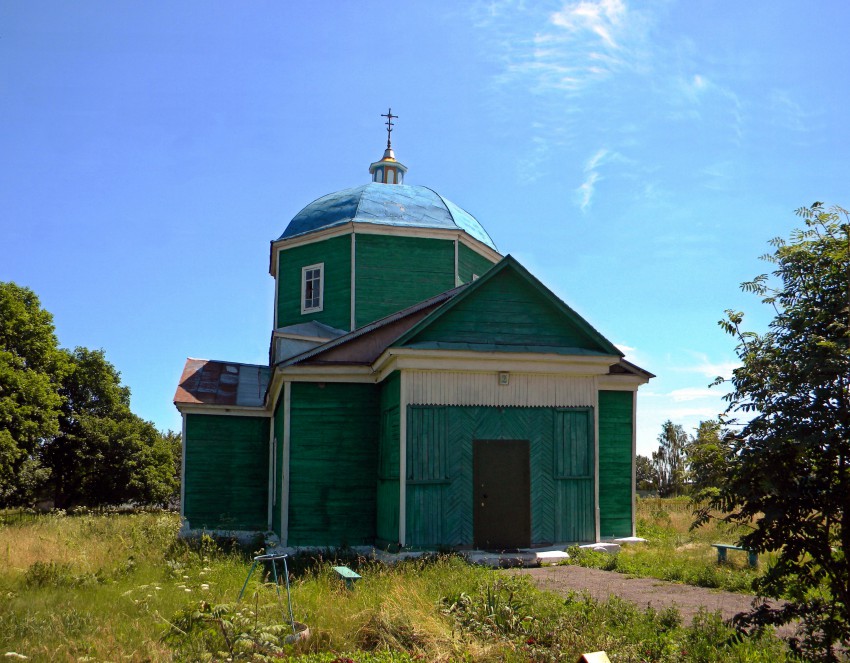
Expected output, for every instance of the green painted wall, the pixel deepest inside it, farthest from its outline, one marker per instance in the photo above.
(388, 461)
(278, 477)
(469, 262)
(393, 273)
(439, 470)
(615, 463)
(336, 254)
(507, 312)
(227, 477)
(333, 464)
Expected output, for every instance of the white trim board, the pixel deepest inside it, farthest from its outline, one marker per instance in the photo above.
(465, 360)
(222, 410)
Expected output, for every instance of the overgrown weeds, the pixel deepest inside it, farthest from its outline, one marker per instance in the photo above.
(674, 552)
(109, 587)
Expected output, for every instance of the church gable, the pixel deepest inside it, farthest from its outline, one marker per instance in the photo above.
(508, 310)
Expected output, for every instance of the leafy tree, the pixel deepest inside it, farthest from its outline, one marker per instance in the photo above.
(707, 456)
(789, 470)
(105, 454)
(65, 420)
(31, 369)
(175, 443)
(669, 460)
(644, 473)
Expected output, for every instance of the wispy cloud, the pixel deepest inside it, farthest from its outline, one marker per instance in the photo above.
(596, 67)
(586, 42)
(592, 168)
(688, 394)
(786, 113)
(595, 160)
(636, 356)
(585, 190)
(553, 58)
(710, 369)
(687, 406)
(601, 18)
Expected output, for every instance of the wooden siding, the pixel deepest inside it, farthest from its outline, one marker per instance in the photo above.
(226, 482)
(573, 475)
(393, 273)
(335, 253)
(469, 262)
(506, 311)
(439, 483)
(523, 389)
(388, 461)
(333, 464)
(615, 463)
(278, 478)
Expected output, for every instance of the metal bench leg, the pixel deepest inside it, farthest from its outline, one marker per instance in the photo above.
(721, 555)
(752, 558)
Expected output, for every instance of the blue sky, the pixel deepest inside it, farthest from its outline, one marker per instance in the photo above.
(634, 156)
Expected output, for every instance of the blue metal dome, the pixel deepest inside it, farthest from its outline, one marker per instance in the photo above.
(400, 205)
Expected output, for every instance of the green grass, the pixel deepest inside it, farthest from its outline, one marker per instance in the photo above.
(123, 587)
(674, 552)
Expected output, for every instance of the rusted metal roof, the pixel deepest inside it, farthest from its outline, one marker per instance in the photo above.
(208, 382)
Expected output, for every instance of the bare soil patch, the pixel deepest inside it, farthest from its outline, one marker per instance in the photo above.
(658, 594)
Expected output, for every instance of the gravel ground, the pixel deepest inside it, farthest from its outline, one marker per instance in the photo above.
(642, 591)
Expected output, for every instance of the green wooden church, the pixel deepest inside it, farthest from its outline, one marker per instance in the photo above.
(422, 391)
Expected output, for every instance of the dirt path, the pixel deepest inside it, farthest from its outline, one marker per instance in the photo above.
(642, 591)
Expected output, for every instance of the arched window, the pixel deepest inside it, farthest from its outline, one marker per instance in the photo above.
(390, 176)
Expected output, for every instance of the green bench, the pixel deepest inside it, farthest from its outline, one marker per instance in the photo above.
(752, 557)
(348, 575)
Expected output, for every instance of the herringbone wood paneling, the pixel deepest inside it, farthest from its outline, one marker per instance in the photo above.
(561, 509)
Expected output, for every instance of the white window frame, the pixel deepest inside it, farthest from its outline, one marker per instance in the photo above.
(312, 309)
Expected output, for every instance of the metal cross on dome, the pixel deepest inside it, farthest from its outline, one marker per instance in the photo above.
(390, 117)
